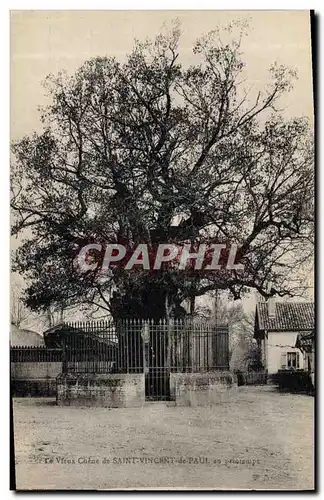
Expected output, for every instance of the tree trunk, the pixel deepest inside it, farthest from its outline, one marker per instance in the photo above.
(146, 305)
(153, 303)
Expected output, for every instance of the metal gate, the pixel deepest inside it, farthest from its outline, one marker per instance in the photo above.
(156, 363)
(181, 346)
(155, 349)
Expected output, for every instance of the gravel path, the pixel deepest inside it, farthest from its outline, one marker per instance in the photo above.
(259, 440)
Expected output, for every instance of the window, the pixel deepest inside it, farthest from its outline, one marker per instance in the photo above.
(293, 360)
(283, 361)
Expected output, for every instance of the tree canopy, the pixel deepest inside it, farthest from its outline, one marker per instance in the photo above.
(149, 150)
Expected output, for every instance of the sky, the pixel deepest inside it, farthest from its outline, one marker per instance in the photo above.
(44, 42)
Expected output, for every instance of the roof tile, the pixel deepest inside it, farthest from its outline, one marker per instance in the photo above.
(289, 316)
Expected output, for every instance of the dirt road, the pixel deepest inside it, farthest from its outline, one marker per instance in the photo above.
(259, 440)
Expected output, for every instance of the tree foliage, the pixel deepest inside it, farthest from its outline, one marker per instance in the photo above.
(150, 150)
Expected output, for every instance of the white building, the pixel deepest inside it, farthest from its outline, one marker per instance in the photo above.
(276, 328)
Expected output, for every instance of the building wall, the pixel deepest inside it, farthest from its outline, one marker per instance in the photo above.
(264, 352)
(279, 343)
(262, 345)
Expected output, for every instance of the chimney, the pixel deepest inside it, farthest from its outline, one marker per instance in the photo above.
(271, 303)
(271, 307)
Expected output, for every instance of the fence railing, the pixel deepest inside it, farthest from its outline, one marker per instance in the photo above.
(25, 354)
(135, 346)
(255, 378)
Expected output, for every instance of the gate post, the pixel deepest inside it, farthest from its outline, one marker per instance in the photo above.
(169, 342)
(146, 340)
(64, 358)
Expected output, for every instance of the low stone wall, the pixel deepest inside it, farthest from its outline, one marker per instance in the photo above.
(35, 370)
(23, 388)
(107, 390)
(33, 379)
(201, 389)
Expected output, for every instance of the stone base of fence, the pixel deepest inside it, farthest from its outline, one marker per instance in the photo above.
(34, 378)
(105, 390)
(201, 389)
(33, 387)
(35, 370)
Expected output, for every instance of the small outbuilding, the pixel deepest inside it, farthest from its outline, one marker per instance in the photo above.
(278, 325)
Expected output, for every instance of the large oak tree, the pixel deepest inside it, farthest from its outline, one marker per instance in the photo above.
(149, 150)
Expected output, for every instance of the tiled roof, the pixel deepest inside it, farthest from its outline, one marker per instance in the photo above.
(288, 316)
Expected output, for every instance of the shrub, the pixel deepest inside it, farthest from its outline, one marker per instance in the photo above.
(293, 381)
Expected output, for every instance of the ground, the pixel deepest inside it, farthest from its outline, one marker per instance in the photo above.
(260, 439)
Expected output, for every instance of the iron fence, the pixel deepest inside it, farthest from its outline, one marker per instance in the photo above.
(30, 354)
(136, 346)
(255, 377)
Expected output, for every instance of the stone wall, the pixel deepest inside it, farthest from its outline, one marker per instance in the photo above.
(33, 387)
(34, 378)
(107, 390)
(201, 389)
(35, 370)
